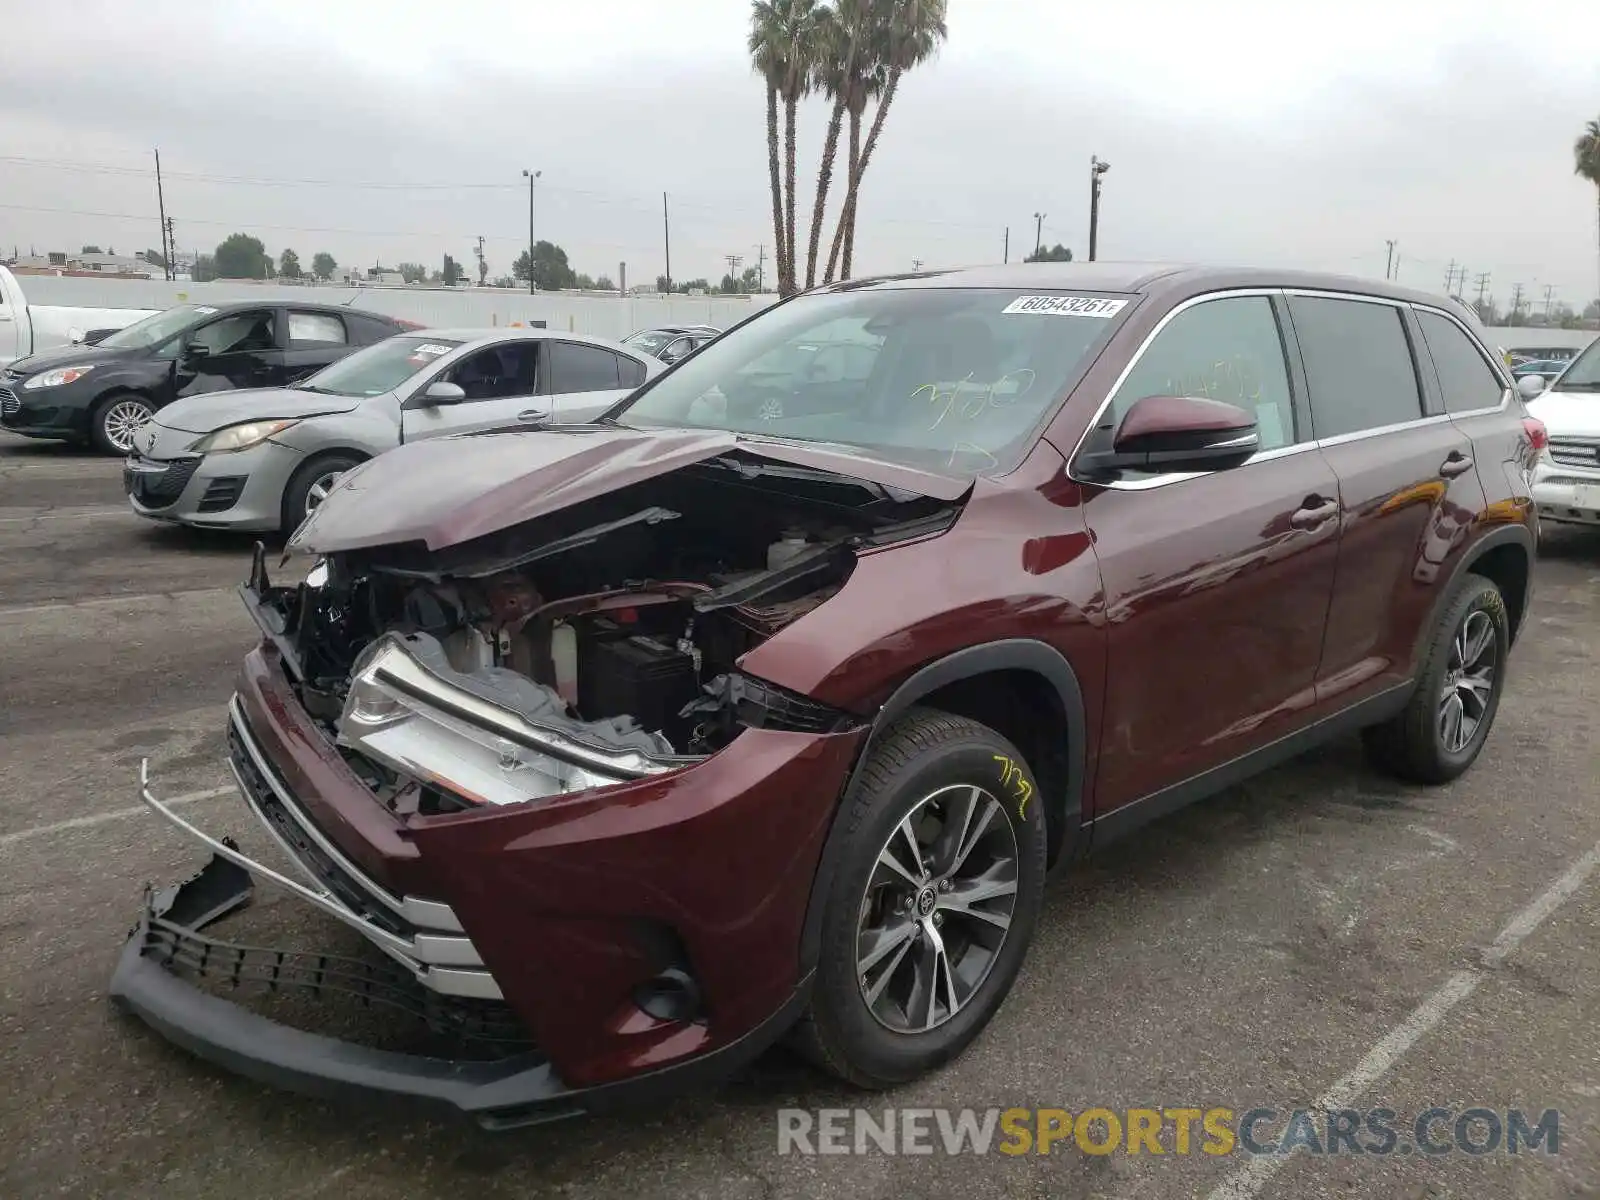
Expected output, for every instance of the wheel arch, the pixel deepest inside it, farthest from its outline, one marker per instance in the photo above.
(994, 683)
(1505, 556)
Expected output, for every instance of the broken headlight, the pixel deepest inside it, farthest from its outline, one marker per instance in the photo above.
(443, 734)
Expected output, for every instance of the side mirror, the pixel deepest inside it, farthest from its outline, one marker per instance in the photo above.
(197, 350)
(442, 392)
(1179, 433)
(1530, 386)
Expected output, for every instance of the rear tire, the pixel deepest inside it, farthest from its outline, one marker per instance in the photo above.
(307, 485)
(915, 960)
(1445, 724)
(114, 421)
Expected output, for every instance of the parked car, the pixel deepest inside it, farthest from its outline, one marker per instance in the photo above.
(1544, 368)
(1566, 482)
(649, 742)
(263, 459)
(671, 343)
(102, 394)
(28, 328)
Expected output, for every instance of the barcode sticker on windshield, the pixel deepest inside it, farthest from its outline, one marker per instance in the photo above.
(431, 350)
(205, 310)
(1066, 306)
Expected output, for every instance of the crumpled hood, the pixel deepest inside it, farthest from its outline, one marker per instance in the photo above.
(1567, 414)
(214, 410)
(446, 491)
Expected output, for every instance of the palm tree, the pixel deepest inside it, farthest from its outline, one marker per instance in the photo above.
(782, 47)
(866, 84)
(842, 51)
(908, 33)
(1586, 162)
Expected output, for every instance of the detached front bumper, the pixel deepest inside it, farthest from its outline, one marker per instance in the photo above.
(159, 975)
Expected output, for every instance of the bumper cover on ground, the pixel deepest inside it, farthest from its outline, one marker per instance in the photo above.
(157, 979)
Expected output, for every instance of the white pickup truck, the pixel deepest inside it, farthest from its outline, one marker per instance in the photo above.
(27, 329)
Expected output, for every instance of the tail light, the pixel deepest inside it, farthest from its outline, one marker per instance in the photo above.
(1536, 433)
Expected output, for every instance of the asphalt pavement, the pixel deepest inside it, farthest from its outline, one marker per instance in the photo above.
(1318, 936)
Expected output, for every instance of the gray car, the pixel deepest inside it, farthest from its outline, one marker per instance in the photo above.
(262, 459)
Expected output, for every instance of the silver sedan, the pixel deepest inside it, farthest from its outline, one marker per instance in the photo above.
(261, 460)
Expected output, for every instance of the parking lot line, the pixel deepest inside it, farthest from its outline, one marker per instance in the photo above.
(22, 835)
(1249, 1179)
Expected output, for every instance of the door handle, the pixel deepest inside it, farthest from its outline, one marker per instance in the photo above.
(1313, 512)
(1457, 464)
(534, 414)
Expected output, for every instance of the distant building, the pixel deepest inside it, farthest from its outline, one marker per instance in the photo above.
(121, 266)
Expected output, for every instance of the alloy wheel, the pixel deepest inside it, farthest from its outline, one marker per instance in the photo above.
(1468, 682)
(122, 422)
(319, 489)
(936, 909)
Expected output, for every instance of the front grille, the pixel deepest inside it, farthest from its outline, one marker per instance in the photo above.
(1575, 452)
(10, 405)
(222, 493)
(353, 893)
(158, 487)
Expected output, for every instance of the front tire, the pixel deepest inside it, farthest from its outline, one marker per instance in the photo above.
(116, 419)
(308, 485)
(1445, 724)
(930, 913)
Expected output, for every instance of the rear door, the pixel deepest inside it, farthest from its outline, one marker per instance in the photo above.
(583, 380)
(315, 339)
(1407, 484)
(500, 382)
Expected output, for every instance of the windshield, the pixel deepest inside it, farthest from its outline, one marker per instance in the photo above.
(381, 367)
(1584, 373)
(955, 379)
(650, 340)
(156, 328)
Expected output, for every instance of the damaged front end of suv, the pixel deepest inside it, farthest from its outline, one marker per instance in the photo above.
(502, 731)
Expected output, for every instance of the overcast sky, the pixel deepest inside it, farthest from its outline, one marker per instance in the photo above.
(1236, 132)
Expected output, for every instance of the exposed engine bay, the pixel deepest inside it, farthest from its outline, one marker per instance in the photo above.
(593, 645)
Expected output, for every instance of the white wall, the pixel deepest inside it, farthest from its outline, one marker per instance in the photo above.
(602, 316)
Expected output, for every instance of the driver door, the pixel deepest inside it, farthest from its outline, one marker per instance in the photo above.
(240, 350)
(501, 386)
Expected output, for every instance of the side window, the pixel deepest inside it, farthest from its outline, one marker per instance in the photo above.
(575, 367)
(315, 329)
(1359, 368)
(496, 373)
(1229, 350)
(238, 333)
(630, 371)
(365, 330)
(1467, 380)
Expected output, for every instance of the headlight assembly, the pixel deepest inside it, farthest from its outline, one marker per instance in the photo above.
(404, 716)
(239, 437)
(57, 377)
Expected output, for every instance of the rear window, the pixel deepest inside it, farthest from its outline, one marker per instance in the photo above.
(958, 378)
(575, 367)
(1358, 364)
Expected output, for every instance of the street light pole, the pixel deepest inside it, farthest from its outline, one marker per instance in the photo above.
(532, 177)
(1038, 232)
(1096, 169)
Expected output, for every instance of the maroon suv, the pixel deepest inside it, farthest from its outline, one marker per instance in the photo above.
(765, 704)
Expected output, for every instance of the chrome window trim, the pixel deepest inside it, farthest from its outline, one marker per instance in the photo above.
(1155, 481)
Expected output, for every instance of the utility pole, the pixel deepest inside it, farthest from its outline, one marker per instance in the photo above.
(483, 265)
(1388, 266)
(666, 238)
(161, 204)
(734, 261)
(1516, 301)
(1483, 286)
(532, 177)
(1549, 297)
(1007, 250)
(1038, 232)
(1096, 169)
(170, 250)
(1450, 279)
(916, 265)
(761, 267)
